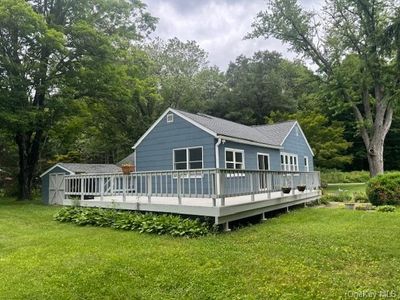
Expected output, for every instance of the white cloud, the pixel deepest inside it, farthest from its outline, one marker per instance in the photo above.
(217, 25)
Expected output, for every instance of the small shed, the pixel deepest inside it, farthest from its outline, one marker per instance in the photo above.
(73, 169)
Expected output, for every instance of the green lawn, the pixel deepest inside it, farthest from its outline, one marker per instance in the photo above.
(312, 253)
(345, 187)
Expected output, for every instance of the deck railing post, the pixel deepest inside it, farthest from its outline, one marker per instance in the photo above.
(102, 188)
(124, 179)
(306, 181)
(82, 188)
(149, 187)
(221, 187)
(293, 190)
(252, 185)
(178, 188)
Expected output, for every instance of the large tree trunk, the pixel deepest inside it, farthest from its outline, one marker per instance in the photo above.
(28, 150)
(375, 159)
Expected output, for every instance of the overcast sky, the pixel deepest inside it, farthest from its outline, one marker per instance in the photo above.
(217, 25)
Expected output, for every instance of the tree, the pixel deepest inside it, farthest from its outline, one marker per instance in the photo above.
(46, 49)
(325, 137)
(185, 79)
(355, 45)
(258, 85)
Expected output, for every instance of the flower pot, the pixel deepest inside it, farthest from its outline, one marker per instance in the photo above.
(301, 188)
(286, 190)
(127, 169)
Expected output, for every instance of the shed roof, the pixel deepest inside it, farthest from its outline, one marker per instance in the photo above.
(77, 168)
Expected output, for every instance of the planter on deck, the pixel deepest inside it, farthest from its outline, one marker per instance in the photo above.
(286, 190)
(301, 188)
(127, 169)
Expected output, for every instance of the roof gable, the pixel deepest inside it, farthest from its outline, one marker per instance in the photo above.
(271, 136)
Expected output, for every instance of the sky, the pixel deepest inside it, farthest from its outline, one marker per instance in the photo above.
(218, 26)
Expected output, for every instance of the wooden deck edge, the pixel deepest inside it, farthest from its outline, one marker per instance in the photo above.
(233, 216)
(149, 207)
(222, 214)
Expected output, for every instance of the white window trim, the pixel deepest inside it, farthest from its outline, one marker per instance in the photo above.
(187, 158)
(170, 118)
(269, 162)
(286, 167)
(306, 166)
(234, 158)
(234, 163)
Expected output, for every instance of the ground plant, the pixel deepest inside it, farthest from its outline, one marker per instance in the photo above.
(141, 222)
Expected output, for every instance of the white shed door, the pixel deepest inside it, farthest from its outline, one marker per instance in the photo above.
(56, 188)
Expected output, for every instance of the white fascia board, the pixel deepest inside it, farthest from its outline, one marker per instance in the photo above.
(241, 141)
(55, 166)
(194, 123)
(304, 136)
(178, 114)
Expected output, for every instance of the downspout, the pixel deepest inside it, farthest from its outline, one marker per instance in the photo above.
(217, 152)
(218, 188)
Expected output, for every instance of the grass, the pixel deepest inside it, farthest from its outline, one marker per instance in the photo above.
(313, 253)
(345, 187)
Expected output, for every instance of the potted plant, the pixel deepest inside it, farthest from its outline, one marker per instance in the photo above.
(301, 188)
(127, 169)
(286, 189)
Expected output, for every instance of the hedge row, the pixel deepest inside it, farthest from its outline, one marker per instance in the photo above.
(141, 222)
(333, 176)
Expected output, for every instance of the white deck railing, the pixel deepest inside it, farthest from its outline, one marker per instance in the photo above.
(204, 183)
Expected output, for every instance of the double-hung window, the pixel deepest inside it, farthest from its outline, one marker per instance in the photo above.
(188, 158)
(306, 166)
(234, 159)
(289, 162)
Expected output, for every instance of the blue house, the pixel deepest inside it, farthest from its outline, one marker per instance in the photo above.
(196, 164)
(179, 140)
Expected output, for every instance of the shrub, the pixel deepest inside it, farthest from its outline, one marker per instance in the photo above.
(147, 222)
(386, 208)
(340, 197)
(384, 189)
(360, 197)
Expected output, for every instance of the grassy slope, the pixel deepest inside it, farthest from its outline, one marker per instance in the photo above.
(309, 253)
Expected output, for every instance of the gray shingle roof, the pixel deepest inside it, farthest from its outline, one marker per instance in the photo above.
(130, 159)
(91, 168)
(266, 134)
(276, 133)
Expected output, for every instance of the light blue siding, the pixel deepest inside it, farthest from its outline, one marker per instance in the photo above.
(45, 183)
(296, 144)
(250, 155)
(155, 152)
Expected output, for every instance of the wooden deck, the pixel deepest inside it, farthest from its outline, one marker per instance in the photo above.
(235, 208)
(222, 194)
